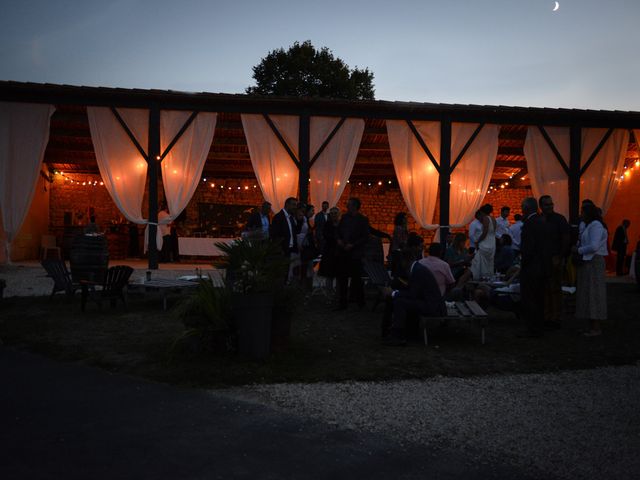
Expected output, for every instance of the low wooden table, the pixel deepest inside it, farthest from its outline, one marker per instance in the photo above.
(461, 311)
(164, 286)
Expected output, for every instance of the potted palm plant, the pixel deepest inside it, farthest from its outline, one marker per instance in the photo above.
(206, 316)
(255, 269)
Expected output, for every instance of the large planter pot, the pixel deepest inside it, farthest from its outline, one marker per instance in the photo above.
(252, 313)
(280, 328)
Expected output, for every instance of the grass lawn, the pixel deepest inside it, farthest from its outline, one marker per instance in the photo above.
(325, 346)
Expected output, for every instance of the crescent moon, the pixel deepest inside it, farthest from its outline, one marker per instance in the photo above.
(557, 6)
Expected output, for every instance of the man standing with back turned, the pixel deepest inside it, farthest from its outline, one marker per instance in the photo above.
(535, 267)
(560, 244)
(353, 233)
(619, 245)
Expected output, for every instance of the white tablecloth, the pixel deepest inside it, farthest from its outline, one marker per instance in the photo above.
(201, 246)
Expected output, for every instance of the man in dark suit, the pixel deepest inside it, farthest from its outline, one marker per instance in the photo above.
(619, 245)
(560, 243)
(283, 227)
(352, 235)
(259, 220)
(535, 268)
(318, 225)
(421, 297)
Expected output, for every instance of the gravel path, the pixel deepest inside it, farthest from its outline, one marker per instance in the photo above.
(28, 279)
(573, 425)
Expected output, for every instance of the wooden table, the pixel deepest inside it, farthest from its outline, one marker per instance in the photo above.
(468, 311)
(164, 287)
(201, 246)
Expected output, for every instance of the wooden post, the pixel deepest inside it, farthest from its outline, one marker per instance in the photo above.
(304, 145)
(153, 166)
(575, 138)
(445, 178)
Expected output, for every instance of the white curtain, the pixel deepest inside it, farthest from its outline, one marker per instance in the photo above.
(24, 134)
(545, 171)
(182, 167)
(598, 183)
(417, 176)
(601, 179)
(471, 177)
(330, 172)
(275, 171)
(122, 167)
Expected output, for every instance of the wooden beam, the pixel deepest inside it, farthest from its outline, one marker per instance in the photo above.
(153, 168)
(466, 146)
(186, 125)
(595, 152)
(281, 139)
(424, 146)
(327, 141)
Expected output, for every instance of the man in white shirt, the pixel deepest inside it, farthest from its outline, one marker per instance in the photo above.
(475, 230)
(515, 232)
(502, 222)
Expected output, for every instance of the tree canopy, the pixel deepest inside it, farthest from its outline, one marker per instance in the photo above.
(303, 71)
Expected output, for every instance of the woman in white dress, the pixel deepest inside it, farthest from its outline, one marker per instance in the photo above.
(482, 263)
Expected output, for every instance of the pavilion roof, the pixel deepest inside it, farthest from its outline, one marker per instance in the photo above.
(70, 148)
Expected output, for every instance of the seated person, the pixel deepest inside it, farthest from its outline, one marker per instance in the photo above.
(440, 269)
(421, 297)
(506, 256)
(458, 256)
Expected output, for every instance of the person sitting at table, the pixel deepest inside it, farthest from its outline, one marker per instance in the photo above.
(421, 297)
(457, 256)
(440, 269)
(506, 256)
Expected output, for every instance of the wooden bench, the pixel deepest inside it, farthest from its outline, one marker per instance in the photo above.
(467, 311)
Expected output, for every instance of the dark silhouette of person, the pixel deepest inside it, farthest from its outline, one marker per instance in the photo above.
(619, 245)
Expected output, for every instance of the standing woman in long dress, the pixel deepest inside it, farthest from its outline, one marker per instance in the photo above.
(591, 289)
(482, 263)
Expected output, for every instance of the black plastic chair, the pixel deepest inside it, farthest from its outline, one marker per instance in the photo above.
(62, 282)
(113, 288)
(377, 277)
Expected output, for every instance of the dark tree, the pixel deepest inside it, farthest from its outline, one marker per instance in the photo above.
(303, 71)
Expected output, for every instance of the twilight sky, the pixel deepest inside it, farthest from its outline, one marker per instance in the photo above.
(496, 52)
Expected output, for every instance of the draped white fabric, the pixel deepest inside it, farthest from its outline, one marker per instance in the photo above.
(182, 166)
(417, 176)
(545, 171)
(276, 172)
(122, 167)
(24, 134)
(601, 179)
(471, 177)
(330, 172)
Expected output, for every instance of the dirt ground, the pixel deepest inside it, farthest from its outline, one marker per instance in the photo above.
(324, 345)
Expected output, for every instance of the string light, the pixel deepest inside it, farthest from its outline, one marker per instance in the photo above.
(83, 183)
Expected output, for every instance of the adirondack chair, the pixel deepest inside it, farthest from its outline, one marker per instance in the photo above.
(377, 277)
(113, 288)
(57, 270)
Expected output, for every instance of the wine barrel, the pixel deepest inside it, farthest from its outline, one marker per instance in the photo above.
(89, 258)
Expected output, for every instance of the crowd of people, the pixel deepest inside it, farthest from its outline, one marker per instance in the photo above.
(535, 252)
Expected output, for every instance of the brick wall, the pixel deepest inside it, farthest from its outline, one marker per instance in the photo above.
(379, 202)
(625, 205)
(79, 200)
(382, 203)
